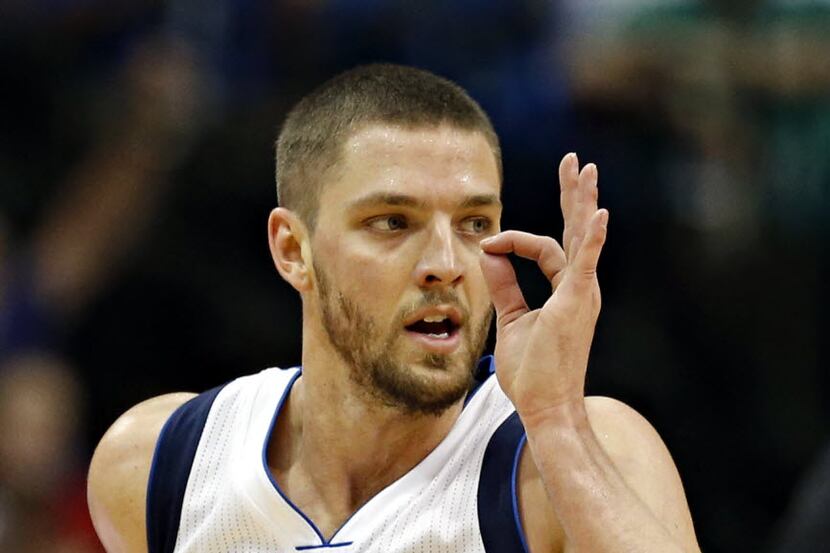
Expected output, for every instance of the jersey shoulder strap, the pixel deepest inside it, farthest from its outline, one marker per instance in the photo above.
(170, 469)
(498, 508)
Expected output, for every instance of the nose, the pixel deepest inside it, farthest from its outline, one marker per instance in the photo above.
(440, 263)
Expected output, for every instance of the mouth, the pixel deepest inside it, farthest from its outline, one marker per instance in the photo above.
(437, 330)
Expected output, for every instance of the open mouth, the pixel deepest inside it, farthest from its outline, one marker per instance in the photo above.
(434, 326)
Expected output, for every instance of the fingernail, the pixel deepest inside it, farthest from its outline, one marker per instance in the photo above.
(603, 217)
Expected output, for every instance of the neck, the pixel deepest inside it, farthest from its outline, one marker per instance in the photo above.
(334, 447)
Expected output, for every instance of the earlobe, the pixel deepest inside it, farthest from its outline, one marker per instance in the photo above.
(286, 237)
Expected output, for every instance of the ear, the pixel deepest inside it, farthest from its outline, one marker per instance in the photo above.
(287, 237)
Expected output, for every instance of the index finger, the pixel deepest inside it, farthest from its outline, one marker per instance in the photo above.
(544, 250)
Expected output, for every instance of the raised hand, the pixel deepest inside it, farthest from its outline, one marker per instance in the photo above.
(542, 354)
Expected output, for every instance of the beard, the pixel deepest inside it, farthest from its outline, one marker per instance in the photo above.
(370, 353)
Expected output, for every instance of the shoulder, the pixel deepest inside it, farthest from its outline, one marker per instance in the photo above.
(623, 432)
(642, 458)
(119, 471)
(636, 449)
(637, 452)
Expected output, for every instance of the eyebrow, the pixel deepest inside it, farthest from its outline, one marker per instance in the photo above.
(386, 198)
(481, 200)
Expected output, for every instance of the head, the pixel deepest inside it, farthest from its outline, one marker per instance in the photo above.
(310, 145)
(388, 178)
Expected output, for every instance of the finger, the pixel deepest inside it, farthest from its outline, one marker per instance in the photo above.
(568, 183)
(584, 207)
(568, 192)
(588, 251)
(504, 289)
(544, 250)
(588, 190)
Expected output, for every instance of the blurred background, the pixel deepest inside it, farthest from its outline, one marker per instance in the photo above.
(136, 176)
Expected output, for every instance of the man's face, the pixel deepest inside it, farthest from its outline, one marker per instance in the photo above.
(401, 296)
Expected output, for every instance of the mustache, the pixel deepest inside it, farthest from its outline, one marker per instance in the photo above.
(432, 298)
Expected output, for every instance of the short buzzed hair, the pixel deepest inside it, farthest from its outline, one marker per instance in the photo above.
(315, 130)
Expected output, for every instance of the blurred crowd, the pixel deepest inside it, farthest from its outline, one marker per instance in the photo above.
(136, 175)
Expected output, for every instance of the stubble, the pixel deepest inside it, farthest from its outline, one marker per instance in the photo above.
(370, 353)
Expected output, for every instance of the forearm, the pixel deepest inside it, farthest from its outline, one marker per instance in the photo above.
(597, 508)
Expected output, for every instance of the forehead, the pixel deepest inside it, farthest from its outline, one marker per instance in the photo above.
(437, 163)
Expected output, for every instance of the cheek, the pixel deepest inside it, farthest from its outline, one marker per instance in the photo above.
(373, 282)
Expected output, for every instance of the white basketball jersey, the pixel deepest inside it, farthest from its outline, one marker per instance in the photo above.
(211, 489)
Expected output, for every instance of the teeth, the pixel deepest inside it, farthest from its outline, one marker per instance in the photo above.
(442, 336)
(434, 318)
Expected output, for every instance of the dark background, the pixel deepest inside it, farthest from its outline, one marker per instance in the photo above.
(136, 176)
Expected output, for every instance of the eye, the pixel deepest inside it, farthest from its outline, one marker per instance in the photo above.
(388, 223)
(476, 225)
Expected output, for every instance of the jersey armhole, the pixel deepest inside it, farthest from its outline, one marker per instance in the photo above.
(498, 506)
(169, 471)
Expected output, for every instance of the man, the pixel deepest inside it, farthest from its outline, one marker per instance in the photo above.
(389, 180)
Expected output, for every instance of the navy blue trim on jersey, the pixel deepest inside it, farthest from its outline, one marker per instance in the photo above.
(275, 484)
(514, 479)
(485, 368)
(324, 544)
(498, 509)
(172, 460)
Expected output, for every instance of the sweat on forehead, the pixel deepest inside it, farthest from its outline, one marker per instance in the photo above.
(312, 137)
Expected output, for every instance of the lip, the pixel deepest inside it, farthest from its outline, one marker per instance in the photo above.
(452, 313)
(443, 346)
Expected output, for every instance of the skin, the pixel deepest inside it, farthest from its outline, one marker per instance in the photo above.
(594, 477)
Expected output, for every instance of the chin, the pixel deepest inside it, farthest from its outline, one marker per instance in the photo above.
(427, 386)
